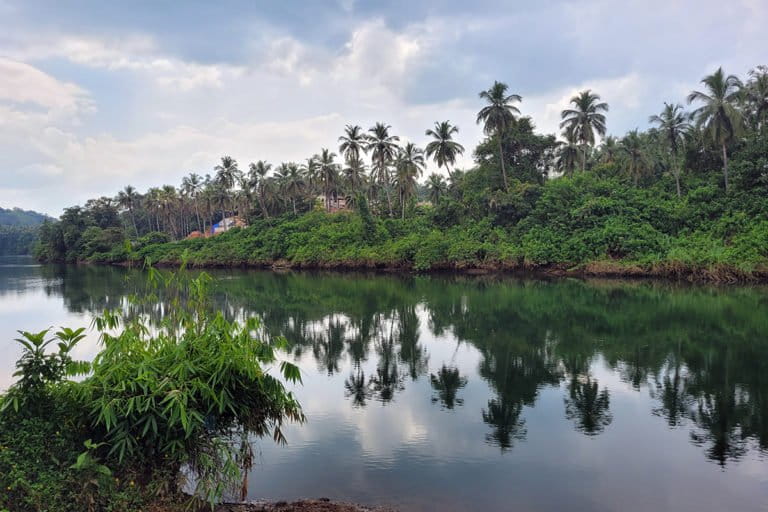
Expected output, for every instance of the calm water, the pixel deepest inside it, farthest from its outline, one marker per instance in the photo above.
(479, 393)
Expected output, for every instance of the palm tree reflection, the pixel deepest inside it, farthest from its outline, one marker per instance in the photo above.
(587, 406)
(447, 383)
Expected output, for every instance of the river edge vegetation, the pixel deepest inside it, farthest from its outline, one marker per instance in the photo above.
(163, 410)
(684, 198)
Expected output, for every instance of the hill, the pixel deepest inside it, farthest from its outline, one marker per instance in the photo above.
(19, 217)
(19, 230)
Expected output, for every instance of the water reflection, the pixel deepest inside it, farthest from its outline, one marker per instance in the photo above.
(447, 383)
(698, 354)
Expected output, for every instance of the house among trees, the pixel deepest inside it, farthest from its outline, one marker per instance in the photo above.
(220, 227)
(228, 223)
(334, 204)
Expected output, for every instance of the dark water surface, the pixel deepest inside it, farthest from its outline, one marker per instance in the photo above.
(485, 393)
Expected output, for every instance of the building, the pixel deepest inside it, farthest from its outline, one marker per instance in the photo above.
(226, 224)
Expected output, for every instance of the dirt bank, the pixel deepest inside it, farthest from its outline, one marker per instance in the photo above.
(319, 505)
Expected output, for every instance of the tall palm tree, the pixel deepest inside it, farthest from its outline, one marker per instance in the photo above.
(637, 160)
(128, 198)
(436, 188)
(673, 123)
(719, 114)
(586, 118)
(354, 176)
(756, 93)
(257, 173)
(352, 143)
(227, 173)
(567, 153)
(192, 185)
(409, 167)
(291, 181)
(383, 148)
(168, 204)
(328, 172)
(444, 149)
(497, 115)
(153, 206)
(609, 149)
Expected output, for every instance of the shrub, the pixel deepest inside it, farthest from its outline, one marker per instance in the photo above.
(182, 398)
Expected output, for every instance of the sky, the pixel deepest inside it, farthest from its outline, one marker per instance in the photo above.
(96, 95)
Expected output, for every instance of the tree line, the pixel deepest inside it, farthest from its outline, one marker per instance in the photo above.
(377, 167)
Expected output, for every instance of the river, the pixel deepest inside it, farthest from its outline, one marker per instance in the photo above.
(483, 392)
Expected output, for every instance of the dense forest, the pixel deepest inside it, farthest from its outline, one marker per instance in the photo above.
(686, 196)
(18, 230)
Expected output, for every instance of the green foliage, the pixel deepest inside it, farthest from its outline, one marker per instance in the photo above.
(653, 201)
(17, 240)
(181, 399)
(570, 221)
(21, 218)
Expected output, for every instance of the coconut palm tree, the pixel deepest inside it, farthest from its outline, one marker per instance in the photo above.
(192, 185)
(609, 149)
(409, 166)
(718, 113)
(497, 115)
(291, 181)
(353, 143)
(257, 174)
(637, 161)
(226, 174)
(354, 176)
(168, 205)
(128, 198)
(384, 149)
(153, 206)
(673, 124)
(436, 188)
(567, 153)
(586, 118)
(444, 149)
(328, 173)
(756, 96)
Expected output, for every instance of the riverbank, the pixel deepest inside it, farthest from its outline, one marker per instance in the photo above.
(670, 271)
(317, 505)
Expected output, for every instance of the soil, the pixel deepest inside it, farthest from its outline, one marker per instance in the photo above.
(319, 505)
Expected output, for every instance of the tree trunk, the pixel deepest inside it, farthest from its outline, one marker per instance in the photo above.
(677, 183)
(402, 203)
(725, 167)
(503, 167)
(133, 221)
(584, 159)
(389, 199)
(263, 205)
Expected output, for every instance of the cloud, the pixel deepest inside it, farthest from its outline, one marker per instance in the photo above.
(136, 53)
(92, 99)
(25, 84)
(625, 95)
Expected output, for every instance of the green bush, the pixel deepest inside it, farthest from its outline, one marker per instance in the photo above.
(155, 404)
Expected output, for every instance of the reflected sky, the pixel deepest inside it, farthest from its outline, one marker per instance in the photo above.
(484, 393)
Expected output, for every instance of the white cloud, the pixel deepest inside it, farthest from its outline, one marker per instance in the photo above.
(136, 53)
(624, 95)
(285, 98)
(22, 83)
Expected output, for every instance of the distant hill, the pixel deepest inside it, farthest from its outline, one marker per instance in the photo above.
(19, 217)
(18, 230)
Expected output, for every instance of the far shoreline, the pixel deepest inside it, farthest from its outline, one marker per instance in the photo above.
(669, 271)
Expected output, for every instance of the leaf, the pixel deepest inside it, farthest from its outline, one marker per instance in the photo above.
(290, 372)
